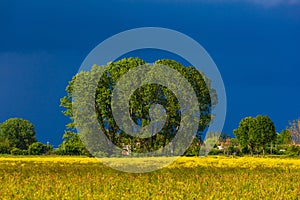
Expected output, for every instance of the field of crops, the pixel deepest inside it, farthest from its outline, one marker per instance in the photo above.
(187, 178)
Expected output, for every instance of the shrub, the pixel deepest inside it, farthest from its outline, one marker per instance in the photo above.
(17, 151)
(37, 148)
(215, 152)
(235, 151)
(293, 151)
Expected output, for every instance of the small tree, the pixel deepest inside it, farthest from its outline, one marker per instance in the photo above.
(18, 133)
(255, 133)
(38, 148)
(245, 134)
(72, 145)
(265, 128)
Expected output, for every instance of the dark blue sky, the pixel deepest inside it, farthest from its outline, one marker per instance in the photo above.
(255, 45)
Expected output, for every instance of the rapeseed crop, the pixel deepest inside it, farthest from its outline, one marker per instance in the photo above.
(187, 178)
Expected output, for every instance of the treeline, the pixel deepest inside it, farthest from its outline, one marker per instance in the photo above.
(87, 94)
(257, 136)
(254, 136)
(18, 137)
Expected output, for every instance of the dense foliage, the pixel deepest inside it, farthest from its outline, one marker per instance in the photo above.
(18, 137)
(141, 101)
(16, 134)
(255, 133)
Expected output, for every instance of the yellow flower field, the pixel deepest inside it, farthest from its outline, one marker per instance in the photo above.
(187, 178)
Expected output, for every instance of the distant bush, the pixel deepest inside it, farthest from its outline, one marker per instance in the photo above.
(38, 148)
(17, 151)
(293, 151)
(216, 152)
(234, 150)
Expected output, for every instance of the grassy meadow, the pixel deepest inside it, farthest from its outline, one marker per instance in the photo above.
(187, 178)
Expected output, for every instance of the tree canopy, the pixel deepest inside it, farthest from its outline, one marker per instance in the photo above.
(255, 132)
(17, 133)
(141, 102)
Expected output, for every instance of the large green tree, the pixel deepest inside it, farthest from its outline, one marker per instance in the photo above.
(140, 103)
(17, 133)
(255, 133)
